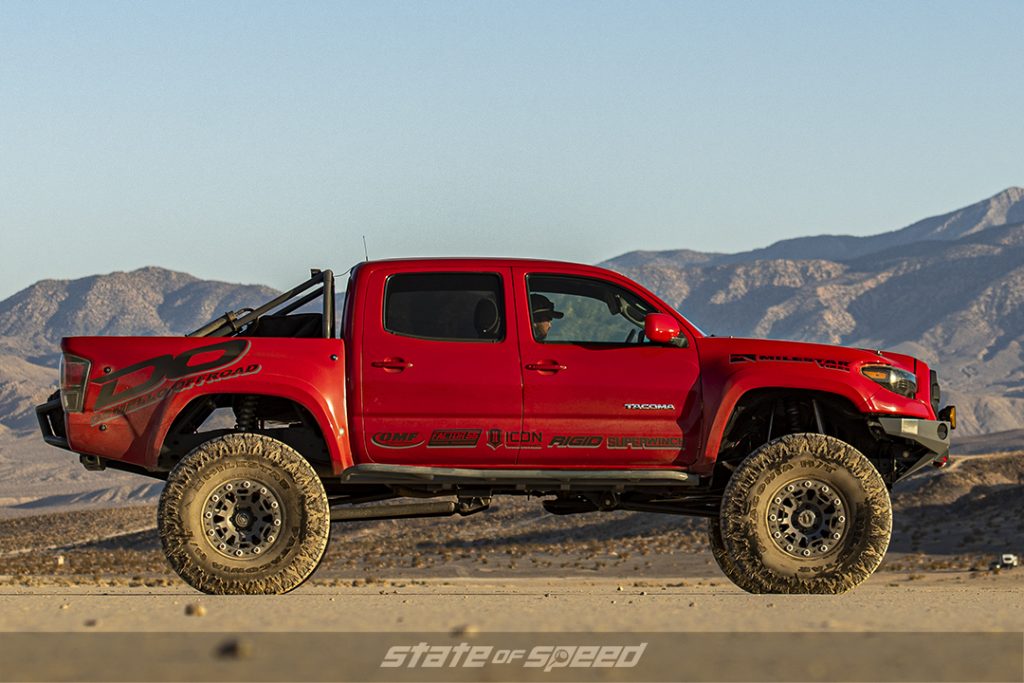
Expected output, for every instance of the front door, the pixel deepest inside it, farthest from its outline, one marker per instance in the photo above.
(597, 394)
(440, 369)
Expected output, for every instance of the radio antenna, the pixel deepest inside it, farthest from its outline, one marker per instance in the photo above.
(365, 252)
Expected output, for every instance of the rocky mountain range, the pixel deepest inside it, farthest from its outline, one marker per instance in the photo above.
(948, 289)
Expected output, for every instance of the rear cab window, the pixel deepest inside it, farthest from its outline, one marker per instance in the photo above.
(458, 307)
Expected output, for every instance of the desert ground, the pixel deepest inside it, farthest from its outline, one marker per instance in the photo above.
(83, 567)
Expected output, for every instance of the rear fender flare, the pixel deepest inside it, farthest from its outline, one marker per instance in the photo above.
(330, 419)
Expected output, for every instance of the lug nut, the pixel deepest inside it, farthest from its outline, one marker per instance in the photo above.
(210, 532)
(256, 550)
(790, 488)
(841, 518)
(277, 522)
(228, 487)
(807, 552)
(221, 546)
(778, 534)
(808, 483)
(274, 505)
(789, 548)
(238, 553)
(824, 548)
(824, 489)
(263, 490)
(245, 484)
(270, 539)
(836, 535)
(778, 501)
(772, 517)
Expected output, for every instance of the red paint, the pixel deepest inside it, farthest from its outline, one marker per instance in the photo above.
(510, 402)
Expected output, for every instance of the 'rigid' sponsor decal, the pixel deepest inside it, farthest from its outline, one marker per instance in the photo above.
(827, 363)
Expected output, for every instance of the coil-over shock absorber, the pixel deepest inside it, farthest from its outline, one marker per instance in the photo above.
(245, 414)
(794, 416)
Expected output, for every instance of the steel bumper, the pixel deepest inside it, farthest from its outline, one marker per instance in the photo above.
(932, 434)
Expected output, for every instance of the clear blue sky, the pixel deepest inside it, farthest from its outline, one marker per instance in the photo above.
(248, 141)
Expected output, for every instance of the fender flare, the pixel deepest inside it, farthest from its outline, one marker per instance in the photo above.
(333, 424)
(738, 386)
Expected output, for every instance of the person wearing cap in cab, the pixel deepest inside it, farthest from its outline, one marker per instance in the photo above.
(542, 312)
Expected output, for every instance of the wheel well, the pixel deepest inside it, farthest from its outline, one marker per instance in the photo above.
(213, 415)
(766, 414)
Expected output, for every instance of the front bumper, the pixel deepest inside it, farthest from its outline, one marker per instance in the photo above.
(934, 435)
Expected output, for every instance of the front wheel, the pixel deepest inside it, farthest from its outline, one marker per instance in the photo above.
(244, 514)
(806, 513)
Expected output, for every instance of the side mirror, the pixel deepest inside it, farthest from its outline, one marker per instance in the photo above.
(660, 328)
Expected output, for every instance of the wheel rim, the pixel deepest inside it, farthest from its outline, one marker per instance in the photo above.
(242, 518)
(807, 518)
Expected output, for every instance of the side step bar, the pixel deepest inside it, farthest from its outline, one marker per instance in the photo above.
(369, 473)
(445, 508)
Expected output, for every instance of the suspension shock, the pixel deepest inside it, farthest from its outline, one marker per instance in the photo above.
(793, 414)
(245, 414)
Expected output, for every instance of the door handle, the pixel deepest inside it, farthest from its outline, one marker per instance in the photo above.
(392, 364)
(545, 366)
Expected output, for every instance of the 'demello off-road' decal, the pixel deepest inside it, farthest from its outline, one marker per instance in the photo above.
(167, 375)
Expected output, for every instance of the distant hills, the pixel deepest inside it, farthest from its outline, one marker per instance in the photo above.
(148, 301)
(948, 289)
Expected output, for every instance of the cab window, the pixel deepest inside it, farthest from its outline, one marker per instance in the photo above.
(445, 306)
(584, 311)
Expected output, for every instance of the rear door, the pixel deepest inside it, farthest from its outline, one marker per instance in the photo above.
(596, 393)
(440, 367)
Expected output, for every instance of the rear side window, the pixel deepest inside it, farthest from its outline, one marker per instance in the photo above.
(445, 306)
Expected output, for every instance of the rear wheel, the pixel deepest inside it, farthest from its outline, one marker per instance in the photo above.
(806, 513)
(244, 514)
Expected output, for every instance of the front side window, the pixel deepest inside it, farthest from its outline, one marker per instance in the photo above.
(445, 306)
(584, 311)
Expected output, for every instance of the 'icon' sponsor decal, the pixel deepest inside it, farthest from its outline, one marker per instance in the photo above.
(497, 438)
(454, 438)
(396, 440)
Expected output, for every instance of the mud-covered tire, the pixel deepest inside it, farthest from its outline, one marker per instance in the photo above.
(804, 478)
(293, 501)
(719, 552)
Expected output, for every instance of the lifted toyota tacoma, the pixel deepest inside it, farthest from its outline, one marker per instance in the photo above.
(447, 382)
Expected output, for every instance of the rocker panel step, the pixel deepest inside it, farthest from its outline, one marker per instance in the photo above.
(369, 473)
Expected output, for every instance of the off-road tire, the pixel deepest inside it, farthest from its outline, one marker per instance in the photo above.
(261, 462)
(759, 563)
(719, 552)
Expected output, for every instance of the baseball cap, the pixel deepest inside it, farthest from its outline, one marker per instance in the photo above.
(542, 309)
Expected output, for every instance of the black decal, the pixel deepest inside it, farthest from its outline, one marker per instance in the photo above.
(494, 440)
(396, 440)
(454, 438)
(166, 367)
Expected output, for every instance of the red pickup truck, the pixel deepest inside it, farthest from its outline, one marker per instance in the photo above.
(452, 381)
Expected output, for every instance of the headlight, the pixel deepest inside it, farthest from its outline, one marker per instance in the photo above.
(894, 379)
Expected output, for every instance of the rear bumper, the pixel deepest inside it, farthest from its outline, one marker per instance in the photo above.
(934, 435)
(51, 422)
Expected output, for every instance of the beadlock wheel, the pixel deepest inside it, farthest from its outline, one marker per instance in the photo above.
(244, 514)
(806, 513)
